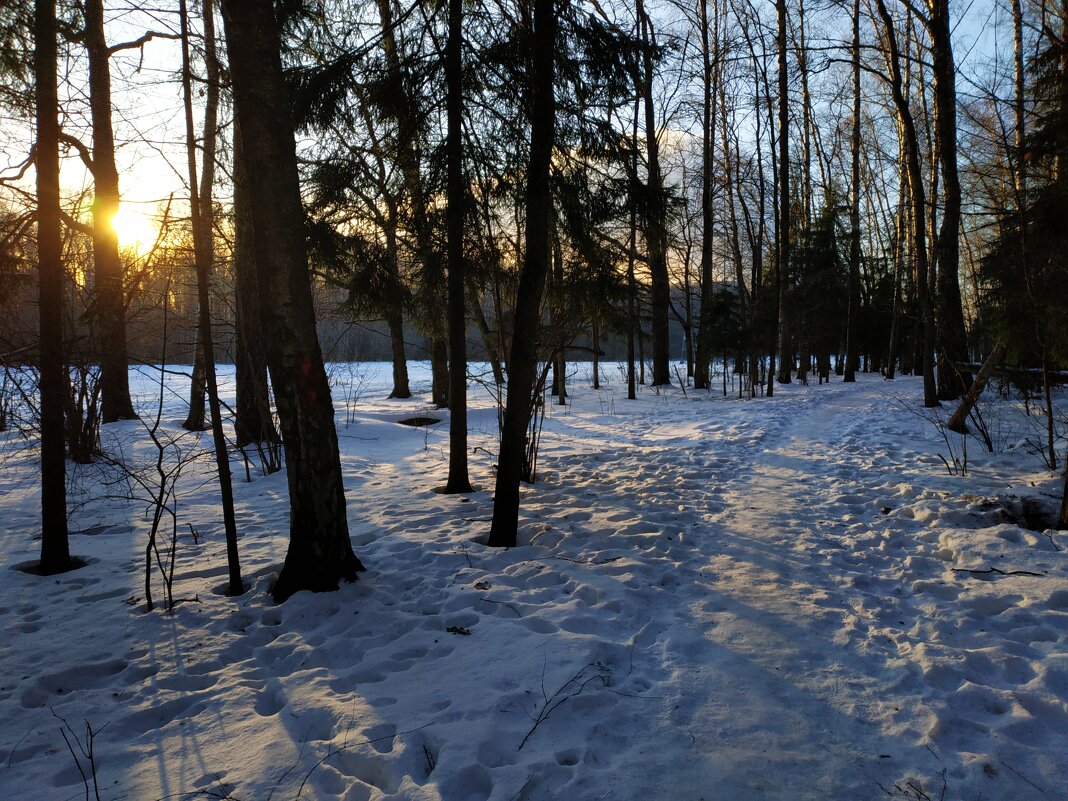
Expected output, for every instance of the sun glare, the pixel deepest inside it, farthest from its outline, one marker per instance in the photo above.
(135, 230)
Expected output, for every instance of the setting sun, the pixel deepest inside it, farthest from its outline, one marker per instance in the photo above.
(135, 229)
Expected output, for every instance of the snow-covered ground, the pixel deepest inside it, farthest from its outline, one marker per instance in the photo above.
(785, 598)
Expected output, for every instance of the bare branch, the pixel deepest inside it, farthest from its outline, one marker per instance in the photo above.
(83, 150)
(141, 41)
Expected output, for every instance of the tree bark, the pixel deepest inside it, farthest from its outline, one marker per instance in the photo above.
(709, 77)
(522, 361)
(110, 299)
(919, 205)
(959, 420)
(953, 344)
(852, 338)
(458, 480)
(203, 247)
(254, 422)
(320, 553)
(194, 419)
(655, 222)
(55, 552)
(782, 228)
(439, 371)
(633, 318)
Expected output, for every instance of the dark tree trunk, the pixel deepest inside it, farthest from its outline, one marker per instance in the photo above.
(110, 300)
(202, 254)
(655, 222)
(394, 311)
(854, 213)
(254, 422)
(404, 109)
(439, 371)
(596, 332)
(900, 255)
(919, 205)
(782, 228)
(953, 344)
(560, 355)
(194, 419)
(633, 320)
(709, 72)
(55, 552)
(1062, 518)
(454, 220)
(522, 362)
(320, 553)
(395, 323)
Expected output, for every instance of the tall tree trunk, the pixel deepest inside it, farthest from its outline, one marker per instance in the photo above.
(404, 109)
(522, 362)
(782, 228)
(320, 553)
(852, 335)
(634, 322)
(919, 204)
(394, 312)
(807, 123)
(900, 256)
(953, 345)
(202, 254)
(556, 278)
(55, 552)
(655, 222)
(709, 78)
(254, 422)
(195, 420)
(110, 299)
(458, 479)
(744, 302)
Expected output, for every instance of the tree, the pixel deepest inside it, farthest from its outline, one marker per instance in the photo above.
(110, 297)
(918, 196)
(55, 551)
(655, 212)
(523, 357)
(320, 553)
(458, 480)
(852, 334)
(782, 225)
(253, 421)
(953, 341)
(710, 73)
(203, 253)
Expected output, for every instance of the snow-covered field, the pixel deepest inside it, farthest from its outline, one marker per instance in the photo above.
(785, 598)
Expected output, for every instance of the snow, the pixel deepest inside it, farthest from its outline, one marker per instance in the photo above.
(714, 599)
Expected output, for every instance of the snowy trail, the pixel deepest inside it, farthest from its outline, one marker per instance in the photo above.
(742, 582)
(810, 613)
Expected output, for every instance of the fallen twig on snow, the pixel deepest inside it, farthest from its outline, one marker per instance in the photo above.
(1000, 572)
(566, 691)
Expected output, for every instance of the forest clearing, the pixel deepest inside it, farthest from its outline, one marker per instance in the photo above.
(711, 599)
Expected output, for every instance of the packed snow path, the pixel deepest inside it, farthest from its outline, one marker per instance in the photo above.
(714, 599)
